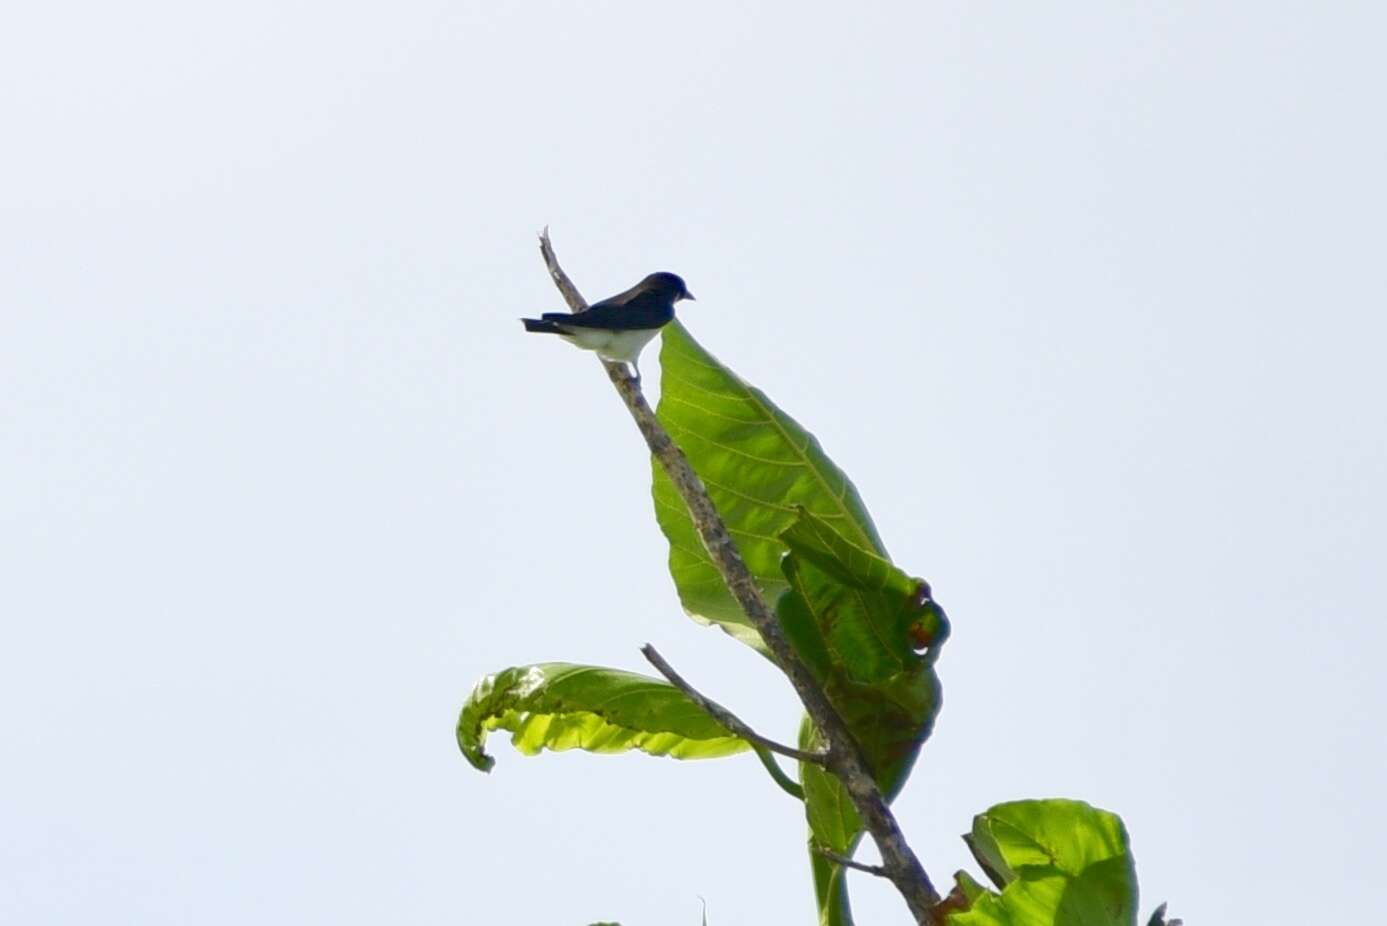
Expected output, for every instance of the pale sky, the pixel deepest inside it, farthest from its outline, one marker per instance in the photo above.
(1086, 298)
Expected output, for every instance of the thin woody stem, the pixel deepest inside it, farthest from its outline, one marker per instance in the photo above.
(840, 859)
(722, 715)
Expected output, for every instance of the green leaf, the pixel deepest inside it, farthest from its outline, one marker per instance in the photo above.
(850, 614)
(968, 887)
(854, 619)
(830, 891)
(988, 854)
(758, 465)
(1066, 835)
(562, 706)
(1063, 863)
(833, 822)
(866, 614)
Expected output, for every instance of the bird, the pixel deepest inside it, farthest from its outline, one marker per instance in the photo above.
(619, 327)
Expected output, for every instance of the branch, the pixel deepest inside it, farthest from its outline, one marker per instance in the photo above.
(575, 300)
(846, 862)
(845, 759)
(722, 715)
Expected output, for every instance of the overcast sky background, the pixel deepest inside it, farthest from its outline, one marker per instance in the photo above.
(1087, 299)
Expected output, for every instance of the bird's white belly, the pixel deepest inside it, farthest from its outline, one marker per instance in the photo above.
(622, 346)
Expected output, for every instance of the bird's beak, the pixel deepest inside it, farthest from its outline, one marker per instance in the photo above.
(689, 296)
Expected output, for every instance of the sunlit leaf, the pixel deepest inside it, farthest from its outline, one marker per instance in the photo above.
(562, 706)
(758, 465)
(1062, 862)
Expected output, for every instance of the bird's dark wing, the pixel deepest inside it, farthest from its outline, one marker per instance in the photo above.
(645, 311)
(620, 298)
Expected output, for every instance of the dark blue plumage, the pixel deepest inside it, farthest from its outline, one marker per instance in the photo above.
(617, 328)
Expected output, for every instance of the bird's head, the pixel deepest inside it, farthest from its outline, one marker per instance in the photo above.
(669, 284)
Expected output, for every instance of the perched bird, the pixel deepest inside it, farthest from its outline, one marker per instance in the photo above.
(619, 327)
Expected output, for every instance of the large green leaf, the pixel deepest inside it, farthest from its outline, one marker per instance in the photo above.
(856, 621)
(758, 465)
(1058, 862)
(561, 706)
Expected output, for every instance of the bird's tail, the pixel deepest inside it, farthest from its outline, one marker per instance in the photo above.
(541, 326)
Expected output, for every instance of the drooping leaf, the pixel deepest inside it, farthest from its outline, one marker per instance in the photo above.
(856, 621)
(849, 614)
(1062, 862)
(758, 465)
(562, 706)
